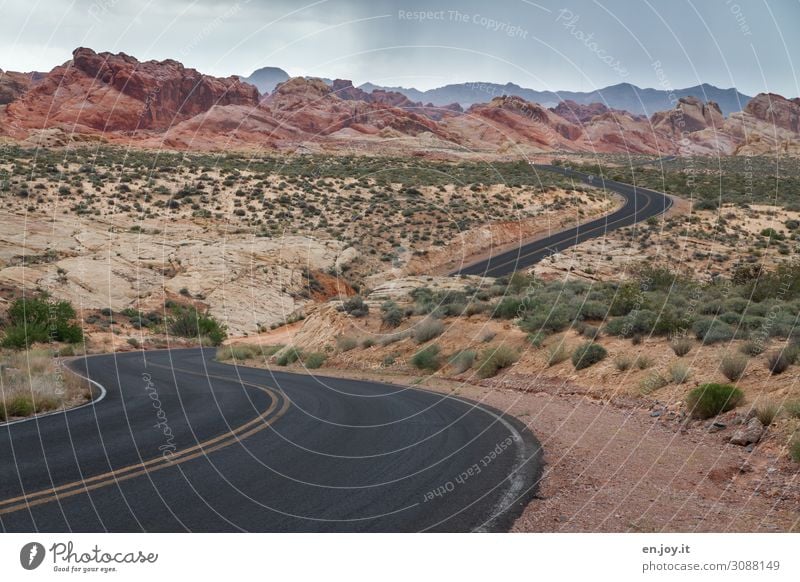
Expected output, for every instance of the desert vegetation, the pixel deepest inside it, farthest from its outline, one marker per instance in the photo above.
(33, 382)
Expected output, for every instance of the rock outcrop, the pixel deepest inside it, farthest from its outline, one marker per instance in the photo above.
(116, 92)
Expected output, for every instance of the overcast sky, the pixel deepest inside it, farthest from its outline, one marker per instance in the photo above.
(571, 45)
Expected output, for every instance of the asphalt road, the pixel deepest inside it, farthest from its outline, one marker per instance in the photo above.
(640, 204)
(183, 443)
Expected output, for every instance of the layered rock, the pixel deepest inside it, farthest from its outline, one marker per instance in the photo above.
(775, 110)
(116, 92)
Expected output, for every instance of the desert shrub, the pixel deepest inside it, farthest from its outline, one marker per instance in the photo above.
(623, 363)
(752, 347)
(355, 306)
(590, 332)
(681, 346)
(314, 360)
(652, 382)
(509, 308)
(710, 331)
(462, 361)
(493, 360)
(289, 356)
(733, 366)
(794, 449)
(643, 362)
(20, 405)
(238, 352)
(551, 321)
(679, 372)
(639, 322)
(536, 339)
(427, 358)
(792, 409)
(588, 354)
(709, 400)
(767, 411)
(346, 343)
(187, 321)
(391, 315)
(427, 329)
(557, 353)
(594, 310)
(40, 319)
(778, 361)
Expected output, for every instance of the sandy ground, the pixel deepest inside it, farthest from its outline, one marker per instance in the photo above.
(612, 467)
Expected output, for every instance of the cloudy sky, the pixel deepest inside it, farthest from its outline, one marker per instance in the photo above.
(564, 45)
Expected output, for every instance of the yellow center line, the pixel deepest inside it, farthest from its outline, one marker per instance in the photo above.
(137, 469)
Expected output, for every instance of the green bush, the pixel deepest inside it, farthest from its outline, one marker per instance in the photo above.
(289, 356)
(40, 319)
(557, 319)
(710, 331)
(594, 310)
(495, 359)
(588, 354)
(355, 306)
(391, 315)
(709, 400)
(187, 321)
(314, 360)
(427, 358)
(20, 405)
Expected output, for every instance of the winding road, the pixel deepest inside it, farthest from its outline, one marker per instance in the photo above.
(640, 204)
(181, 442)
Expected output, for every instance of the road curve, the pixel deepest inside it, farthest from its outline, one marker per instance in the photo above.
(184, 443)
(640, 204)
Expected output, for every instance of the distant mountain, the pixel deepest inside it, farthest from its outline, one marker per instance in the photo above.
(622, 96)
(267, 78)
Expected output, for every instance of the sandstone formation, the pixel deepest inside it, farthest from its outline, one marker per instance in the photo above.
(118, 99)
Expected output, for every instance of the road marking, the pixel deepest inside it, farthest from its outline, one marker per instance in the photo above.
(577, 232)
(137, 469)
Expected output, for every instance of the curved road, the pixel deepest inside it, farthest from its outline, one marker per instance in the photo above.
(184, 443)
(640, 204)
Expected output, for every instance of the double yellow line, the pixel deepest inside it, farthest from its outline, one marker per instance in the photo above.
(259, 423)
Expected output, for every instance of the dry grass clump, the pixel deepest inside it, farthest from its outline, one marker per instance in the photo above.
(767, 412)
(245, 352)
(681, 346)
(733, 366)
(558, 352)
(33, 382)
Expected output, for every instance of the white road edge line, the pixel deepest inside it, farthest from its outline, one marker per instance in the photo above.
(92, 402)
(517, 480)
